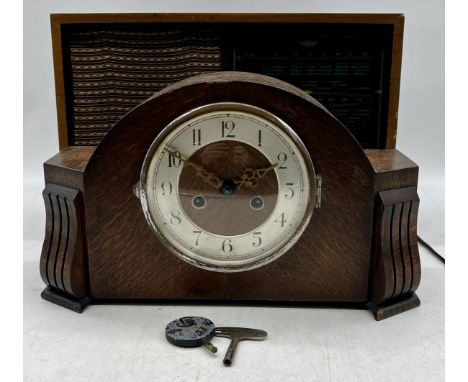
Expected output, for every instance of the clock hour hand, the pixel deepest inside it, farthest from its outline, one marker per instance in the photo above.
(250, 177)
(207, 176)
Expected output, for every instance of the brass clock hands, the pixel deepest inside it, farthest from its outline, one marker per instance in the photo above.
(206, 175)
(250, 177)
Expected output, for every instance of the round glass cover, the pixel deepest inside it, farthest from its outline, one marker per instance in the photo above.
(228, 187)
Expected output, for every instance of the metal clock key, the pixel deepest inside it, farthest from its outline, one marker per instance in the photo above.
(196, 331)
(236, 335)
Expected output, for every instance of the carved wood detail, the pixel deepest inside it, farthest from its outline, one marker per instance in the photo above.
(397, 268)
(63, 265)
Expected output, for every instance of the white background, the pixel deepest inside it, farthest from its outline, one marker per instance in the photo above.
(126, 345)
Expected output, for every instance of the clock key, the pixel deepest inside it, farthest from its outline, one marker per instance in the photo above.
(236, 335)
(191, 332)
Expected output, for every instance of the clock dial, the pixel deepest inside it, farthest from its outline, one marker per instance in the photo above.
(228, 187)
(237, 213)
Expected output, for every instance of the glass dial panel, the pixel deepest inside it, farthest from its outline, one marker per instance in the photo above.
(228, 187)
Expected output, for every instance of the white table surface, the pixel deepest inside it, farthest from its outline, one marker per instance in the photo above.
(127, 343)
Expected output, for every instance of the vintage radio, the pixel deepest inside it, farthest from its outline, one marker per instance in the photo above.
(188, 172)
(106, 64)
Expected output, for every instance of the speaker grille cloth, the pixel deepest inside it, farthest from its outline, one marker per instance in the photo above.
(113, 71)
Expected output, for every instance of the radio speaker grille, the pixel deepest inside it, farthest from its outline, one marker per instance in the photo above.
(115, 70)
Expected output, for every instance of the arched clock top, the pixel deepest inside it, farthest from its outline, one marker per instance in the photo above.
(316, 125)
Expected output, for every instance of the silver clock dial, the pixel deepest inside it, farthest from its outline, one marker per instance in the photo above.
(228, 187)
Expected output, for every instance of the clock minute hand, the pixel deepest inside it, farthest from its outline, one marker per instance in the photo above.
(207, 176)
(250, 177)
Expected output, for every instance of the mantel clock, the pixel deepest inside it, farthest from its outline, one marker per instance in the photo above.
(231, 186)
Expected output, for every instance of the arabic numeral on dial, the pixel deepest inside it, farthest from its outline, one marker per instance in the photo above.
(174, 160)
(282, 158)
(281, 219)
(257, 239)
(175, 218)
(227, 246)
(290, 193)
(196, 137)
(197, 236)
(166, 188)
(227, 129)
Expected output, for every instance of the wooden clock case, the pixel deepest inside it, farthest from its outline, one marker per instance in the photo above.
(359, 249)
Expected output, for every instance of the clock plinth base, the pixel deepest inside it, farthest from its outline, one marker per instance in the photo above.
(392, 308)
(66, 301)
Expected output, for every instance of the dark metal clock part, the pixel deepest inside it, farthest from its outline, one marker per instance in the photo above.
(228, 187)
(191, 332)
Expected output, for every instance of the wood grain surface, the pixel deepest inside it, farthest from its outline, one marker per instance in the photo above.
(63, 259)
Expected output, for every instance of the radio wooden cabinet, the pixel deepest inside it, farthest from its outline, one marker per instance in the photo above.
(106, 64)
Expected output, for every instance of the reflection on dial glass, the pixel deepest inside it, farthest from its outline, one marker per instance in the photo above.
(228, 187)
